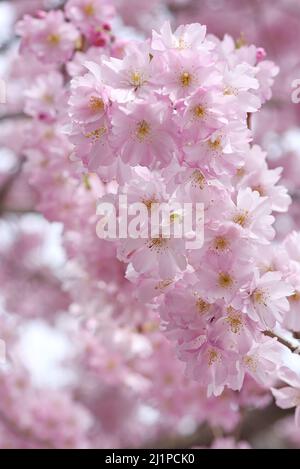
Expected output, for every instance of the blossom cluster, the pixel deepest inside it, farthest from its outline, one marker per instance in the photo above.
(168, 120)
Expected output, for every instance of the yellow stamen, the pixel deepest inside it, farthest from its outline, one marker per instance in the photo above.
(53, 39)
(202, 306)
(198, 179)
(215, 145)
(185, 79)
(181, 43)
(240, 42)
(240, 172)
(48, 98)
(96, 104)
(136, 80)
(241, 218)
(225, 280)
(251, 363)
(229, 91)
(86, 182)
(89, 9)
(142, 130)
(149, 327)
(149, 202)
(259, 296)
(199, 111)
(221, 243)
(175, 217)
(158, 244)
(234, 319)
(213, 356)
(97, 134)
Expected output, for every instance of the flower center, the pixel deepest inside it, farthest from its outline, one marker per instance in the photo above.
(158, 244)
(48, 98)
(136, 79)
(240, 172)
(225, 280)
(202, 306)
(199, 111)
(241, 218)
(185, 79)
(250, 363)
(215, 145)
(96, 134)
(240, 42)
(181, 43)
(175, 216)
(53, 39)
(96, 104)
(89, 9)
(142, 130)
(149, 202)
(213, 356)
(221, 243)
(229, 91)
(259, 296)
(198, 179)
(234, 319)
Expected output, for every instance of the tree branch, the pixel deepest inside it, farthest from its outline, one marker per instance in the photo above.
(254, 423)
(293, 348)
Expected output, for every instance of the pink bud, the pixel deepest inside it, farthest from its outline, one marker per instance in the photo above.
(260, 54)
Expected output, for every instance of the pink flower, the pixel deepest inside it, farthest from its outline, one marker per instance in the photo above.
(45, 96)
(267, 301)
(289, 396)
(189, 36)
(239, 84)
(89, 100)
(85, 13)
(223, 151)
(131, 76)
(50, 38)
(143, 132)
(222, 277)
(93, 144)
(179, 75)
(256, 175)
(201, 115)
(252, 214)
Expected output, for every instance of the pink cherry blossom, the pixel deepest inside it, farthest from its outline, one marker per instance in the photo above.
(50, 38)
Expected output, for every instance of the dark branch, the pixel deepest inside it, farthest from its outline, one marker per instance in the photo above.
(293, 348)
(255, 423)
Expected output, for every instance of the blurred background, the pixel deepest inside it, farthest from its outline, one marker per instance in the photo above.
(84, 365)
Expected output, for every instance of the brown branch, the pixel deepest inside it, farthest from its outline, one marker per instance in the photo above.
(4, 190)
(16, 115)
(293, 348)
(255, 423)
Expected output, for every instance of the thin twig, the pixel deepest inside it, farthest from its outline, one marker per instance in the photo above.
(293, 348)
